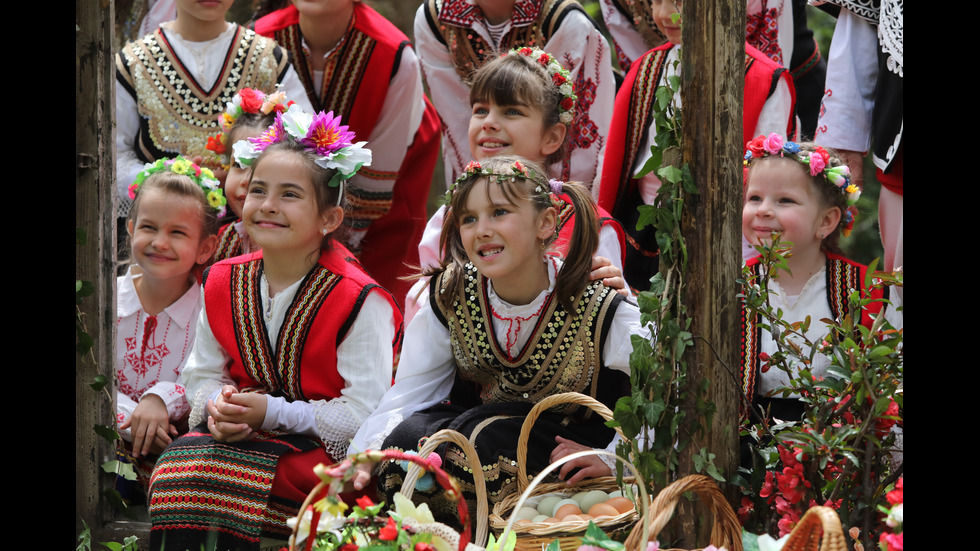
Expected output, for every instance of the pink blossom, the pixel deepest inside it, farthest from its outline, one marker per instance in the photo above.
(817, 164)
(773, 144)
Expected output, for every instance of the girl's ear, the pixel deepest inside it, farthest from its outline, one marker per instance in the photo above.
(206, 249)
(129, 227)
(547, 223)
(552, 138)
(332, 218)
(828, 222)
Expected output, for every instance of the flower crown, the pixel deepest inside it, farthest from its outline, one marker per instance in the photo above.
(320, 133)
(203, 177)
(559, 77)
(517, 169)
(247, 100)
(816, 162)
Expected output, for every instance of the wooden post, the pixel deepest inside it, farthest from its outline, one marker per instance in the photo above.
(713, 67)
(94, 214)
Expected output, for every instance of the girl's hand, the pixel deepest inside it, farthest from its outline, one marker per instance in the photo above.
(225, 418)
(150, 426)
(362, 477)
(253, 407)
(611, 276)
(588, 467)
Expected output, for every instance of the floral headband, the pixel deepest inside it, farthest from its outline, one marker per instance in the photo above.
(247, 100)
(518, 169)
(816, 162)
(320, 133)
(559, 77)
(203, 177)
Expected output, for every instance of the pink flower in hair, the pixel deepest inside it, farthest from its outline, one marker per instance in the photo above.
(326, 135)
(817, 163)
(773, 144)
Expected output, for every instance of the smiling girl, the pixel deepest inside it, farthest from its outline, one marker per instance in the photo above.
(171, 228)
(804, 194)
(506, 324)
(294, 349)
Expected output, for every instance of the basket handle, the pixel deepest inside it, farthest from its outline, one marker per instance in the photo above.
(726, 531)
(454, 437)
(819, 525)
(532, 416)
(333, 477)
(644, 500)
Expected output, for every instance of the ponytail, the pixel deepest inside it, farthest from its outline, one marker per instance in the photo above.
(574, 275)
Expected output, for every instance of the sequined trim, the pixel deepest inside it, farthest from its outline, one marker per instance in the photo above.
(178, 114)
(563, 353)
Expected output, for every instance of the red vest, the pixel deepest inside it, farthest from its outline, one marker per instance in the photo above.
(303, 364)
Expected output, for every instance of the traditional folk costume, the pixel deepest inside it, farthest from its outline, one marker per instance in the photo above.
(825, 296)
(863, 107)
(373, 82)
(232, 241)
(170, 93)
(313, 349)
(454, 39)
(150, 354)
(632, 28)
(494, 361)
(768, 107)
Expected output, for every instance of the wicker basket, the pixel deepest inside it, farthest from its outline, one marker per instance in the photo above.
(818, 530)
(415, 471)
(345, 468)
(726, 531)
(531, 537)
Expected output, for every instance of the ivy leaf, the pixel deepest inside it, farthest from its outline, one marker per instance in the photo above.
(106, 431)
(84, 344)
(120, 468)
(117, 502)
(648, 216)
(654, 162)
(99, 382)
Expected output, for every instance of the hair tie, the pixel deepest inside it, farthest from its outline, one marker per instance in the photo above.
(556, 186)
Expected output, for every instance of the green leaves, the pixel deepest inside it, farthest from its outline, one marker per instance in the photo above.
(120, 468)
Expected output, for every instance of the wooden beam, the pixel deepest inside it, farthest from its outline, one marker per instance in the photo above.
(94, 214)
(712, 76)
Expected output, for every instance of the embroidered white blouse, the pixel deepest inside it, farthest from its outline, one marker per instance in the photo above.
(151, 350)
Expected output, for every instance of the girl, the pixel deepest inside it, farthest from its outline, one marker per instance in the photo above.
(246, 116)
(456, 37)
(522, 104)
(171, 227)
(354, 62)
(172, 84)
(767, 107)
(506, 325)
(804, 193)
(294, 349)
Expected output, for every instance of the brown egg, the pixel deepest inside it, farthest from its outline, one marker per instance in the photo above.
(571, 518)
(567, 509)
(603, 510)
(621, 504)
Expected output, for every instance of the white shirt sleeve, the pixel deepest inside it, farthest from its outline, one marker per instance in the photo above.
(852, 71)
(425, 377)
(128, 165)
(629, 42)
(365, 365)
(293, 87)
(582, 49)
(393, 134)
(776, 112)
(449, 96)
(204, 374)
(609, 246)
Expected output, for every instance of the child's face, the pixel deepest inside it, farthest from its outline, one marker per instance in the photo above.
(236, 187)
(280, 211)
(167, 236)
(663, 12)
(503, 240)
(780, 197)
(204, 11)
(512, 130)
